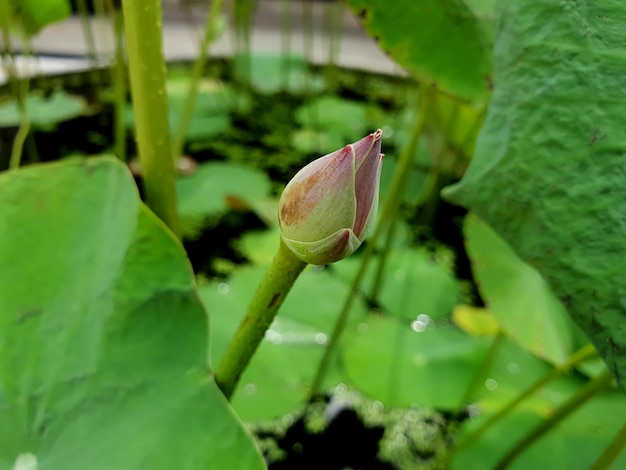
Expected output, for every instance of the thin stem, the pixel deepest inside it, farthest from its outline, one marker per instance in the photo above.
(382, 260)
(92, 53)
(285, 39)
(21, 135)
(591, 389)
(485, 367)
(612, 451)
(147, 79)
(390, 207)
(333, 22)
(210, 33)
(119, 83)
(19, 87)
(263, 307)
(308, 31)
(576, 358)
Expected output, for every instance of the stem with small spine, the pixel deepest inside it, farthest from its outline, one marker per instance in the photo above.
(263, 307)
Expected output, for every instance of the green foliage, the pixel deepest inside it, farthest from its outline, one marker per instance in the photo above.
(403, 363)
(548, 173)
(34, 15)
(517, 295)
(575, 443)
(213, 189)
(426, 36)
(211, 112)
(271, 73)
(404, 270)
(102, 334)
(44, 112)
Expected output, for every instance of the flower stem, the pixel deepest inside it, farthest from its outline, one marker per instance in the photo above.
(143, 20)
(263, 307)
(209, 35)
(591, 389)
(483, 370)
(393, 200)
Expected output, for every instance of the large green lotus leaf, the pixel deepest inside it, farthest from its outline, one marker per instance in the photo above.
(414, 283)
(437, 41)
(548, 174)
(36, 14)
(277, 380)
(102, 336)
(517, 295)
(401, 365)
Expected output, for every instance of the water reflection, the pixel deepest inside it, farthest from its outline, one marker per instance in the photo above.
(491, 384)
(250, 389)
(418, 325)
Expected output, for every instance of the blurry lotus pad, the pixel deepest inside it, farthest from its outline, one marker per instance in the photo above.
(414, 283)
(216, 187)
(211, 112)
(339, 117)
(271, 73)
(44, 112)
(103, 336)
(403, 363)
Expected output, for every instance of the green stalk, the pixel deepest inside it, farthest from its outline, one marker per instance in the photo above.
(119, 83)
(591, 389)
(485, 367)
(147, 79)
(333, 23)
(382, 260)
(92, 53)
(209, 35)
(18, 87)
(576, 358)
(270, 295)
(612, 452)
(285, 39)
(390, 208)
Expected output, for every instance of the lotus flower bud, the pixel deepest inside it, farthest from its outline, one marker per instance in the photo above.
(329, 206)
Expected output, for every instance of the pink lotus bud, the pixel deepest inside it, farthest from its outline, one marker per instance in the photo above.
(329, 206)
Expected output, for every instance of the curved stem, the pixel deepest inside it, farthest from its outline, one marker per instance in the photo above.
(389, 209)
(612, 452)
(210, 33)
(582, 354)
(263, 307)
(143, 20)
(591, 389)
